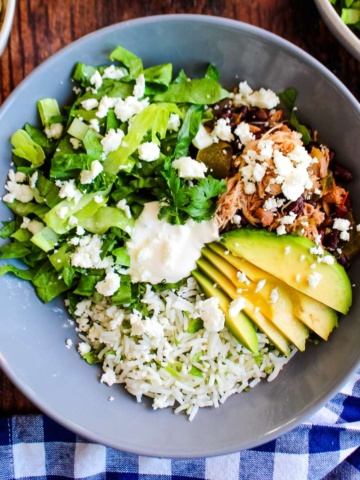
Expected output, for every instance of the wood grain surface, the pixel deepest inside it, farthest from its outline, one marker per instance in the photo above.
(42, 27)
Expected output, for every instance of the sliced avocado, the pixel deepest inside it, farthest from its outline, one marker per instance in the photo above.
(240, 326)
(250, 309)
(279, 312)
(266, 250)
(320, 318)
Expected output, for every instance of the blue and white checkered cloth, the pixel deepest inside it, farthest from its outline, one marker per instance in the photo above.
(326, 447)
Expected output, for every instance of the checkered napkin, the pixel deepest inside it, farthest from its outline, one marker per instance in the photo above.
(328, 446)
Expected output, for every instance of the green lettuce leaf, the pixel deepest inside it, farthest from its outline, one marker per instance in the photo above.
(25, 147)
(188, 130)
(204, 91)
(130, 60)
(105, 218)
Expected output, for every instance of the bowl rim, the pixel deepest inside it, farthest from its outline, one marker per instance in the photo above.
(343, 33)
(7, 23)
(299, 53)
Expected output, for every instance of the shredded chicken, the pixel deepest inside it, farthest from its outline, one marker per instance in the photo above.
(251, 206)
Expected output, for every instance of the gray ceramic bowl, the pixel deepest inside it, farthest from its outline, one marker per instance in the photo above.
(341, 31)
(32, 335)
(6, 21)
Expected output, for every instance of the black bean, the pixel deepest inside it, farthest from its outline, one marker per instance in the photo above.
(296, 207)
(344, 261)
(321, 232)
(332, 240)
(341, 211)
(342, 173)
(257, 114)
(242, 111)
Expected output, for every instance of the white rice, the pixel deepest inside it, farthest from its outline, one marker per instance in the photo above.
(159, 362)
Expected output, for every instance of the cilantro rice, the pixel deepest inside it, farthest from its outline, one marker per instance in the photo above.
(156, 354)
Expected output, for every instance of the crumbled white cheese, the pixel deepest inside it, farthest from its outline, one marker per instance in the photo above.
(62, 212)
(75, 142)
(68, 343)
(54, 131)
(341, 224)
(261, 98)
(287, 250)
(112, 140)
(266, 150)
(250, 188)
(317, 250)
(236, 220)
(281, 230)
(104, 106)
(109, 285)
(84, 348)
(288, 219)
(80, 230)
(20, 177)
(174, 122)
(17, 191)
(87, 176)
(314, 279)
(96, 80)
(202, 139)
(243, 278)
(68, 190)
(189, 168)
(243, 132)
(317, 239)
(113, 73)
(292, 172)
(211, 315)
(272, 204)
(126, 109)
(260, 285)
(328, 259)
(122, 205)
(90, 104)
(274, 296)
(236, 306)
(345, 236)
(222, 130)
(149, 151)
(139, 88)
(109, 377)
(94, 124)
(88, 253)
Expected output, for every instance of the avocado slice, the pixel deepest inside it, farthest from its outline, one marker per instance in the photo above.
(280, 312)
(320, 318)
(240, 326)
(254, 312)
(266, 250)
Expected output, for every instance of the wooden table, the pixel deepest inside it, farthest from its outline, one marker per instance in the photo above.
(41, 28)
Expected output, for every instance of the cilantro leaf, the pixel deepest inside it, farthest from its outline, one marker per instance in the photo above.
(202, 206)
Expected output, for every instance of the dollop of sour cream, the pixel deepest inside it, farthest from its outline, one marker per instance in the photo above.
(163, 252)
